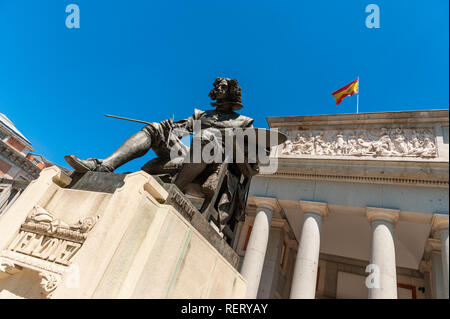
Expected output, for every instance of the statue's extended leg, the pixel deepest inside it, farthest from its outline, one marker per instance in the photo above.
(136, 146)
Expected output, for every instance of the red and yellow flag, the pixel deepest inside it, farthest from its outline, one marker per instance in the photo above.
(347, 90)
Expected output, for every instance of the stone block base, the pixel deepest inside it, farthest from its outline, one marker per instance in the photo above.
(59, 242)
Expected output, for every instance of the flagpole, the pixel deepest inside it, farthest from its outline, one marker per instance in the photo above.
(357, 98)
(357, 101)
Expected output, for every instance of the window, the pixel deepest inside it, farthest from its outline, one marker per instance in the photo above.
(405, 291)
(3, 135)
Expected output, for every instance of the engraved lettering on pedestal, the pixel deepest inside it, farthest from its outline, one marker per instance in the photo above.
(47, 245)
(26, 244)
(66, 252)
(180, 203)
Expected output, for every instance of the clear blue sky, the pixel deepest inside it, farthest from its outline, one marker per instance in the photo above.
(152, 59)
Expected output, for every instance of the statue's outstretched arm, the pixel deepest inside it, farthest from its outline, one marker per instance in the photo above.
(184, 127)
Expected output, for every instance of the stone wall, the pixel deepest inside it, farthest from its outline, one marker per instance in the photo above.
(69, 243)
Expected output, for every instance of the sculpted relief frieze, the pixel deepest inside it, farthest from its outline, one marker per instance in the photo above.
(375, 143)
(47, 245)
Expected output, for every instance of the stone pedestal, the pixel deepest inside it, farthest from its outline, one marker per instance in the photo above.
(121, 242)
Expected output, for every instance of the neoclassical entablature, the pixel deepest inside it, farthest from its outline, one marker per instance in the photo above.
(414, 135)
(423, 174)
(387, 119)
(404, 148)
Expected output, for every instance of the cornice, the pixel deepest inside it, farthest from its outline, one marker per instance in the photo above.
(435, 175)
(360, 179)
(18, 159)
(14, 183)
(13, 134)
(379, 118)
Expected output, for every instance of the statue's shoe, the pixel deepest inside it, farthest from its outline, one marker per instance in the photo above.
(82, 166)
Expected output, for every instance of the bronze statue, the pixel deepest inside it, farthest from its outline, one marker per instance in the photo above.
(163, 136)
(223, 184)
(157, 136)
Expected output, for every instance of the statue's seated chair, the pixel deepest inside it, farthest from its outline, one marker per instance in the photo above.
(225, 194)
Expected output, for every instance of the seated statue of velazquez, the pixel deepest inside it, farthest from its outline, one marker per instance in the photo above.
(164, 136)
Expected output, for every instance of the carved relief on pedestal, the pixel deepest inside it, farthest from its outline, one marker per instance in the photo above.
(49, 282)
(7, 267)
(376, 142)
(47, 245)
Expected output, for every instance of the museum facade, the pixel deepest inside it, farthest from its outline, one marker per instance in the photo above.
(358, 208)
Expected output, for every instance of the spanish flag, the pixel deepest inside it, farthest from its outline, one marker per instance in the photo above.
(347, 90)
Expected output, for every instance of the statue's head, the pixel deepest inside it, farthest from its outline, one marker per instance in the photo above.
(227, 94)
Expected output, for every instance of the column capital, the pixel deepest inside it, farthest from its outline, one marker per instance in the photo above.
(320, 208)
(376, 213)
(267, 202)
(276, 222)
(425, 266)
(439, 222)
(432, 244)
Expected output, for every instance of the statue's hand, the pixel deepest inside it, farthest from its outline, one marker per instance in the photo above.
(167, 123)
(181, 128)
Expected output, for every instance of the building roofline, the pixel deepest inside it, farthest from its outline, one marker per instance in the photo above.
(12, 129)
(391, 117)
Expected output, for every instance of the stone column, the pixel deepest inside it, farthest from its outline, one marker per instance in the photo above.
(5, 208)
(271, 263)
(383, 252)
(4, 195)
(257, 245)
(440, 229)
(437, 275)
(307, 260)
(433, 252)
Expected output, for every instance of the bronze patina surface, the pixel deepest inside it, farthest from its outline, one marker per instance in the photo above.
(223, 186)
